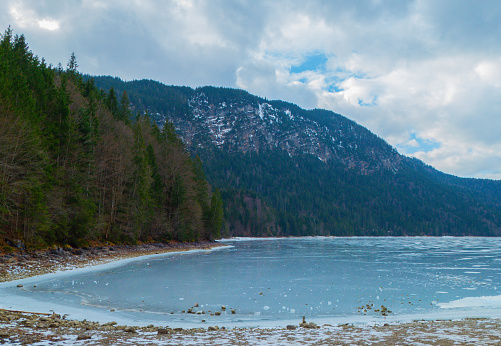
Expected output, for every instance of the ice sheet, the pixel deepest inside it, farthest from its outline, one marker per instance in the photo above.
(276, 282)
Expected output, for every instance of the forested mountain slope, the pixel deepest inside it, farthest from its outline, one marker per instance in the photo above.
(283, 170)
(76, 166)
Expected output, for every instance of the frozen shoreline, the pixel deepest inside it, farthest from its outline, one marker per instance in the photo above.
(459, 328)
(24, 328)
(11, 301)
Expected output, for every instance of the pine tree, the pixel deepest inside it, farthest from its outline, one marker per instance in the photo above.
(217, 214)
(123, 113)
(72, 64)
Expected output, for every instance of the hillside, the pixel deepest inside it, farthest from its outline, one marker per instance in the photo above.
(283, 170)
(76, 166)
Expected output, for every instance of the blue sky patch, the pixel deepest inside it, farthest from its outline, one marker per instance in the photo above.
(314, 62)
(371, 103)
(334, 88)
(425, 145)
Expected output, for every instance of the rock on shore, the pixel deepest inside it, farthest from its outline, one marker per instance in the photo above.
(27, 328)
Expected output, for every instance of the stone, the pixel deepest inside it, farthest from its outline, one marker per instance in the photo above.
(233, 311)
(217, 313)
(20, 285)
(163, 331)
(130, 330)
(84, 337)
(291, 327)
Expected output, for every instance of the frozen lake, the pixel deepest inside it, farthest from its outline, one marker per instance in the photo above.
(277, 281)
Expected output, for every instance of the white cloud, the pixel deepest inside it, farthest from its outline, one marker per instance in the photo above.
(22, 17)
(412, 143)
(489, 72)
(48, 24)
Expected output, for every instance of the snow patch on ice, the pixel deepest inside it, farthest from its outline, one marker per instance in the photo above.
(469, 302)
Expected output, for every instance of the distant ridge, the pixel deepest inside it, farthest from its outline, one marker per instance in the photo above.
(283, 170)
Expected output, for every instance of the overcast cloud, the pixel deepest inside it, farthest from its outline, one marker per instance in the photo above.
(424, 75)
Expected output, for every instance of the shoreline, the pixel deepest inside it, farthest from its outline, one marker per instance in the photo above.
(30, 327)
(21, 265)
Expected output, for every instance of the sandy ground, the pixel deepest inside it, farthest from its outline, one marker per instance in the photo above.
(20, 328)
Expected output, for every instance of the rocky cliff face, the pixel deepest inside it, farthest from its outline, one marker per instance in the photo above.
(253, 124)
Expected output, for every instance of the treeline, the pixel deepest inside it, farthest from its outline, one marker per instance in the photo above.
(77, 165)
(154, 96)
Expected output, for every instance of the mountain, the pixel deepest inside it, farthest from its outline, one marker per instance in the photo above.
(77, 168)
(283, 170)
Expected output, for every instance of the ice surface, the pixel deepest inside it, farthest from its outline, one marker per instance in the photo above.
(276, 282)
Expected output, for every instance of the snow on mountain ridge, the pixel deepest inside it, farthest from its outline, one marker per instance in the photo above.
(242, 125)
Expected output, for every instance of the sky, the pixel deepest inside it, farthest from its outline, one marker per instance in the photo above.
(425, 75)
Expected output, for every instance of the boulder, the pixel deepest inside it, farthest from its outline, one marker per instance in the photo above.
(312, 325)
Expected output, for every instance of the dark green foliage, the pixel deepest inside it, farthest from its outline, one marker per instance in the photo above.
(216, 214)
(112, 103)
(72, 64)
(168, 100)
(75, 168)
(272, 194)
